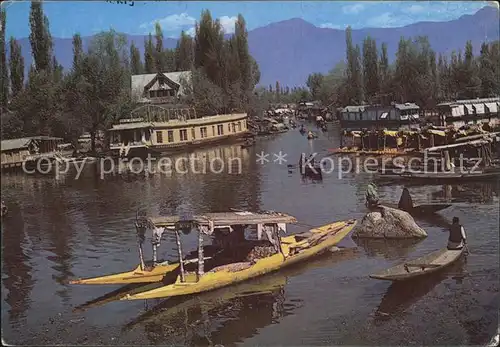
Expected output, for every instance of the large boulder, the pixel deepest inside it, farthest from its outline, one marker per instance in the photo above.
(388, 223)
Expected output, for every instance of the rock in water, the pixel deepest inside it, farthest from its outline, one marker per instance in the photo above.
(388, 223)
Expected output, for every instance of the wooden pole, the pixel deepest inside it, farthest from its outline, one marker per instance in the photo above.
(141, 257)
(155, 258)
(179, 251)
(201, 262)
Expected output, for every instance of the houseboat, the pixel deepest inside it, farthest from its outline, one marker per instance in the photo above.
(160, 129)
(28, 150)
(464, 112)
(393, 117)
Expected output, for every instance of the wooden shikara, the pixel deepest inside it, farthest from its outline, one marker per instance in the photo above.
(425, 265)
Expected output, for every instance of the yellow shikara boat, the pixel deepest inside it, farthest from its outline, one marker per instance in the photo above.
(289, 250)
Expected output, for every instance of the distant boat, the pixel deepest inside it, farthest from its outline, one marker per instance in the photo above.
(4, 209)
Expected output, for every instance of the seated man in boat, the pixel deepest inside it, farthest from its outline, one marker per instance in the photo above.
(457, 238)
(371, 196)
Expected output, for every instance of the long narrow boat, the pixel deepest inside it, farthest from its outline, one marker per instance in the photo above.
(156, 271)
(289, 250)
(425, 265)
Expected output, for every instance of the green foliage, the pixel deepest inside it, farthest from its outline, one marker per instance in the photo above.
(417, 75)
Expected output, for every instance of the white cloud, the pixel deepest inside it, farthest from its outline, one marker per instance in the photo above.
(330, 26)
(171, 23)
(227, 23)
(191, 31)
(388, 20)
(353, 9)
(415, 9)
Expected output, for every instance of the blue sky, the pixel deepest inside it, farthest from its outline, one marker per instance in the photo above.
(89, 17)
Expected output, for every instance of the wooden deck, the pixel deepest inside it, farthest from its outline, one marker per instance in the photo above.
(226, 218)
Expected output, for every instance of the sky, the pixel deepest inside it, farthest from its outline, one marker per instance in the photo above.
(89, 17)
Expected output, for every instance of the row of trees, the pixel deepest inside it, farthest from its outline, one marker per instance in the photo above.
(417, 75)
(95, 92)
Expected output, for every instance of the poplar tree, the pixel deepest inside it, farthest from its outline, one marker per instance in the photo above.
(370, 69)
(135, 60)
(149, 55)
(77, 52)
(4, 78)
(40, 38)
(184, 55)
(159, 52)
(16, 64)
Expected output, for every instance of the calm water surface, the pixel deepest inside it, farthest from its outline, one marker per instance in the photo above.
(61, 228)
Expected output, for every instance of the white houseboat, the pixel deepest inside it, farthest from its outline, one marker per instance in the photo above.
(166, 129)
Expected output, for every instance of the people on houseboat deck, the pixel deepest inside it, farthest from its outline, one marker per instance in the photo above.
(371, 196)
(457, 238)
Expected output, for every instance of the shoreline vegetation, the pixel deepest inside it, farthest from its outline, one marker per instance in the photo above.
(95, 92)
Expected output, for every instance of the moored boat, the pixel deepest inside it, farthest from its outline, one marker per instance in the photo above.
(246, 258)
(425, 265)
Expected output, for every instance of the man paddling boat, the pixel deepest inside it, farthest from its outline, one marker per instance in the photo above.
(457, 238)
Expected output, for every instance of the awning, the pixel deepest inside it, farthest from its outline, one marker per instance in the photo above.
(457, 111)
(492, 107)
(469, 108)
(384, 115)
(436, 132)
(479, 108)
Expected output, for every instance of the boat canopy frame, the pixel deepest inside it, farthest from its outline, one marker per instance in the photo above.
(269, 222)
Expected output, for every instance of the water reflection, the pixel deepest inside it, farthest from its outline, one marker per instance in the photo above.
(16, 266)
(388, 249)
(485, 192)
(228, 315)
(401, 295)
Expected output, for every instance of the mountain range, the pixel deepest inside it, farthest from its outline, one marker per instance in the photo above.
(290, 50)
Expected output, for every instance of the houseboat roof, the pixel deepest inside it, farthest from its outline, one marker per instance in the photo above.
(407, 106)
(226, 218)
(470, 101)
(9, 145)
(181, 123)
(132, 125)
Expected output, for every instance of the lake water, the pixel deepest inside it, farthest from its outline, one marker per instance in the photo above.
(60, 227)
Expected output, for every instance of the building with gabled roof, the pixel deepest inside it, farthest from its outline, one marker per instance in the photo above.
(159, 88)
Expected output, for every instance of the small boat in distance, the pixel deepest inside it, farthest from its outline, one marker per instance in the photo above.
(425, 265)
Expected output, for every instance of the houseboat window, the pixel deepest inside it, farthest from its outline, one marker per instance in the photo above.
(245, 124)
(234, 127)
(148, 134)
(159, 137)
(152, 93)
(183, 134)
(384, 115)
(203, 132)
(220, 129)
(213, 130)
(170, 136)
(193, 135)
(238, 126)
